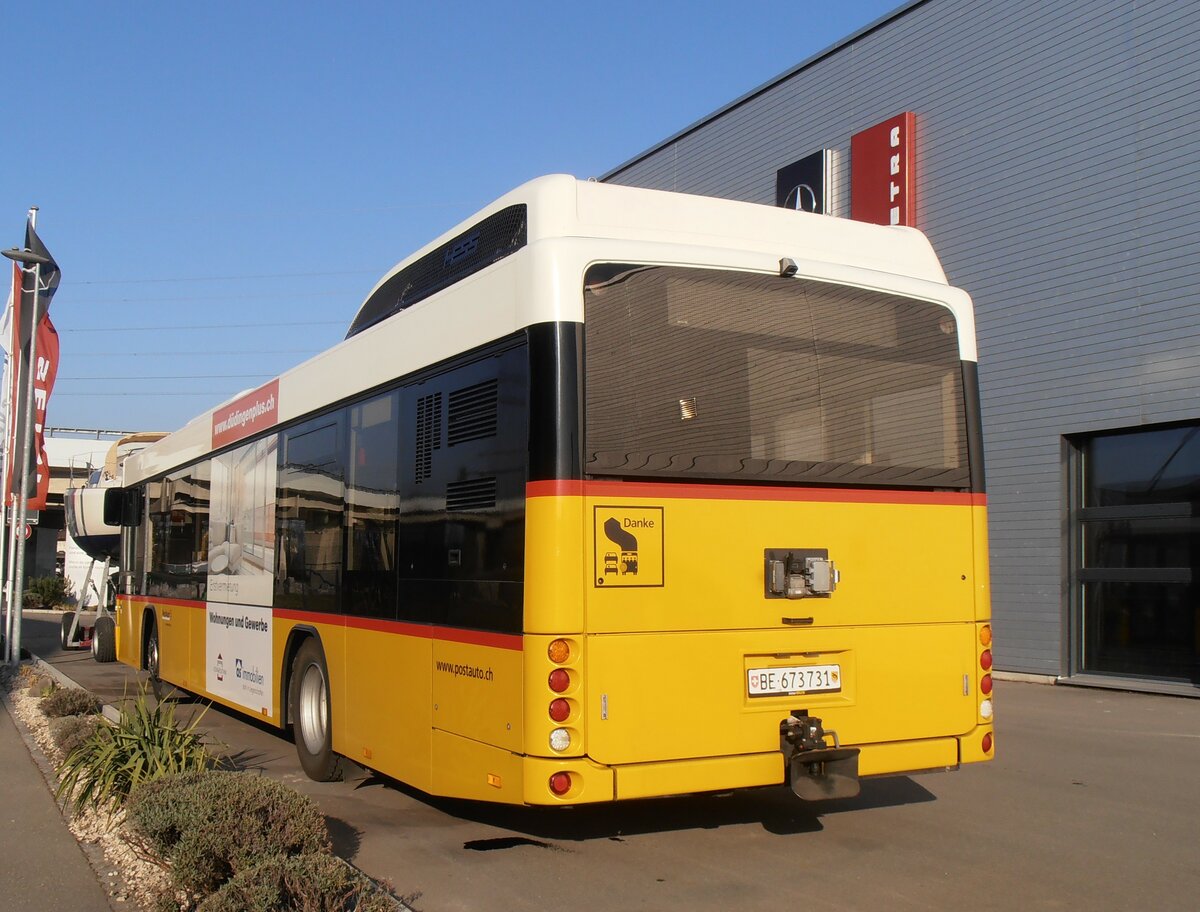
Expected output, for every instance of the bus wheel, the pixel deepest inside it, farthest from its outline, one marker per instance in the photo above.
(104, 639)
(309, 704)
(68, 619)
(151, 659)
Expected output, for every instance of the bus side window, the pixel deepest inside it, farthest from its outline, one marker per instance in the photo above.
(373, 507)
(309, 509)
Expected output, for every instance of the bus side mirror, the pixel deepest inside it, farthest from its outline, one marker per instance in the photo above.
(113, 503)
(123, 507)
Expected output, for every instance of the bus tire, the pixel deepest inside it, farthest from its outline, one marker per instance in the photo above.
(309, 704)
(104, 639)
(68, 619)
(150, 659)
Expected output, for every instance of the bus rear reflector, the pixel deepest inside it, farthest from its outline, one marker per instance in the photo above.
(560, 783)
(559, 680)
(987, 743)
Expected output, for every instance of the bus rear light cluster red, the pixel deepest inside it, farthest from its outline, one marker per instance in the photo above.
(985, 686)
(985, 660)
(560, 783)
(559, 710)
(986, 745)
(559, 680)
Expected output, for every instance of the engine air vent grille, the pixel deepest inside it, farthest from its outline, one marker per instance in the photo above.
(472, 413)
(428, 434)
(474, 494)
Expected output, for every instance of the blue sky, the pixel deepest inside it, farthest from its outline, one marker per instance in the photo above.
(223, 183)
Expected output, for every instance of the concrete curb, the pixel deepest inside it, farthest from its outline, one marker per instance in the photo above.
(110, 712)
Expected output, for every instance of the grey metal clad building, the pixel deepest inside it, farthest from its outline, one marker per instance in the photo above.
(1056, 170)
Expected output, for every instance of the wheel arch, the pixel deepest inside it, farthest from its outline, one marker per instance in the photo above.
(295, 639)
(149, 622)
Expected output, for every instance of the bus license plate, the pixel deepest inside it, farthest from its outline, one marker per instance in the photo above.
(793, 679)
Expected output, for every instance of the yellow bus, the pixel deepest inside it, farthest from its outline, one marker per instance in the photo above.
(608, 493)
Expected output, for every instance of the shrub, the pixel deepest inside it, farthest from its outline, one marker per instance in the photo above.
(71, 731)
(305, 883)
(145, 744)
(47, 592)
(70, 701)
(213, 825)
(32, 680)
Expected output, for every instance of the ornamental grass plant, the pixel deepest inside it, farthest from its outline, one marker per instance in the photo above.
(146, 743)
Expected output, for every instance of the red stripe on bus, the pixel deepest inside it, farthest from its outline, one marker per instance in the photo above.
(425, 631)
(658, 491)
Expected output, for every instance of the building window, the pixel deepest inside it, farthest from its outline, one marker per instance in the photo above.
(1136, 537)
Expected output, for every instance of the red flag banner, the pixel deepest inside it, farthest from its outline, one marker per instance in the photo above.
(26, 321)
(43, 385)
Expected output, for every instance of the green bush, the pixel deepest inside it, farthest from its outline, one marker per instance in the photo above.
(304, 883)
(145, 744)
(47, 592)
(214, 825)
(70, 732)
(70, 701)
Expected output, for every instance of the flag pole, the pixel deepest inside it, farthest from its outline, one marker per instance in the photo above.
(5, 515)
(8, 562)
(16, 608)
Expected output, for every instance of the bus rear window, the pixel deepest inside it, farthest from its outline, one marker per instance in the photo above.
(705, 373)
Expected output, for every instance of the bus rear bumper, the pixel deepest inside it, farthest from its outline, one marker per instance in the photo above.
(593, 782)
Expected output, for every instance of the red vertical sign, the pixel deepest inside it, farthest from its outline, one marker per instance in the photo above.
(881, 172)
(44, 373)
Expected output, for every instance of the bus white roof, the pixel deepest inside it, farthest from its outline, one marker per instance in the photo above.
(561, 206)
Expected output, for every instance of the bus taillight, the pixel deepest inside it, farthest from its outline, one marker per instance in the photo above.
(560, 783)
(987, 743)
(985, 660)
(560, 709)
(559, 680)
(985, 685)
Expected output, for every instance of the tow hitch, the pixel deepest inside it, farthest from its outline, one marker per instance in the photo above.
(816, 772)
